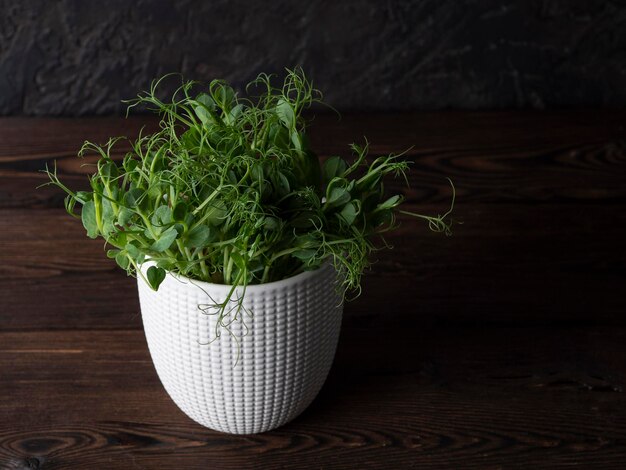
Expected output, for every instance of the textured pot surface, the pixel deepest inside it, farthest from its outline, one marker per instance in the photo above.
(263, 373)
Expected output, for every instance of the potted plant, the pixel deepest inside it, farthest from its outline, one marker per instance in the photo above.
(243, 245)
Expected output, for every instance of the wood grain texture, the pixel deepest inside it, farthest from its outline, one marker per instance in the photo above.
(444, 398)
(503, 346)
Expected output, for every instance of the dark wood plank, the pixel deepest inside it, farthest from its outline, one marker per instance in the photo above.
(396, 398)
(24, 139)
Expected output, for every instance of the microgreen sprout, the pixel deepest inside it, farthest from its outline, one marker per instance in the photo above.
(229, 191)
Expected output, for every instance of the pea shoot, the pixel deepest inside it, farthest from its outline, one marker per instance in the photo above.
(229, 191)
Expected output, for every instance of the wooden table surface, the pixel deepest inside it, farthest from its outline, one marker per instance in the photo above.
(503, 346)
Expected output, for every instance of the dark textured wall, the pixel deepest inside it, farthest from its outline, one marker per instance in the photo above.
(82, 56)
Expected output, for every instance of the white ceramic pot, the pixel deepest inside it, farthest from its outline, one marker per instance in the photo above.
(263, 374)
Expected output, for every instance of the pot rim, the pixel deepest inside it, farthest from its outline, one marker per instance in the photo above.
(281, 284)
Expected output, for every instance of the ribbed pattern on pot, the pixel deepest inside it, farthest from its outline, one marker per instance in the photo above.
(250, 382)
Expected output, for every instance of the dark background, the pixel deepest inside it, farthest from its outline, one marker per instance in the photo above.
(75, 57)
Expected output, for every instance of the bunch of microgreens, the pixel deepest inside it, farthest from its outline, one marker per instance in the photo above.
(228, 191)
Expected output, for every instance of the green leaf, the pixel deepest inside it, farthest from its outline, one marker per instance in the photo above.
(134, 252)
(198, 236)
(282, 184)
(295, 140)
(162, 216)
(88, 216)
(168, 264)
(235, 113)
(165, 240)
(257, 172)
(204, 116)
(206, 105)
(109, 171)
(124, 216)
(216, 213)
(286, 114)
(133, 197)
(118, 239)
(223, 94)
(83, 196)
(349, 212)
(130, 164)
(148, 234)
(270, 223)
(154, 193)
(333, 167)
(279, 136)
(122, 260)
(191, 139)
(304, 255)
(337, 196)
(155, 276)
(108, 218)
(206, 101)
(111, 254)
(306, 240)
(390, 203)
